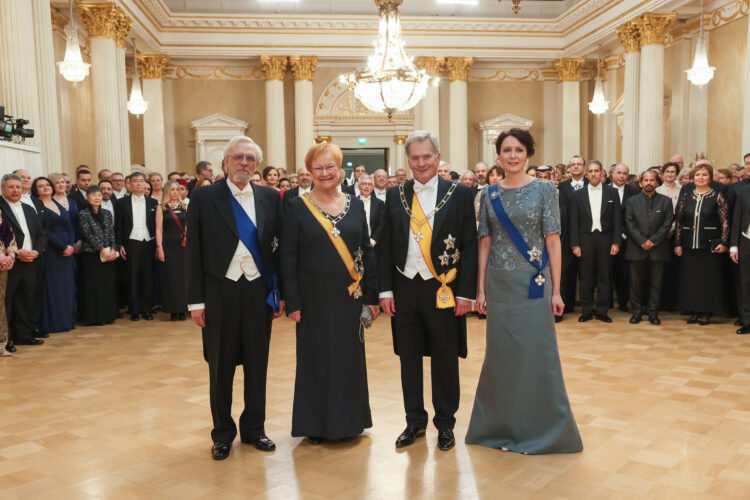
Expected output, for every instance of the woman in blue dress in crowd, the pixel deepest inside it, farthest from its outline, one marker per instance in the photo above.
(58, 290)
(521, 404)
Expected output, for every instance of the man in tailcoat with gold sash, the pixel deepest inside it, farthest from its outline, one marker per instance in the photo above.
(427, 278)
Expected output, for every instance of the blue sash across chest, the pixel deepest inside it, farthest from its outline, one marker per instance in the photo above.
(537, 258)
(249, 237)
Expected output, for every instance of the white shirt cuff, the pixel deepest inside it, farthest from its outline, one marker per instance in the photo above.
(734, 249)
(385, 295)
(373, 242)
(464, 298)
(196, 307)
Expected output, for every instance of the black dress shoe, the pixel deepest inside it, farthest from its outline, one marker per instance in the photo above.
(738, 322)
(744, 330)
(148, 316)
(41, 335)
(29, 341)
(624, 309)
(409, 435)
(181, 316)
(120, 315)
(585, 317)
(173, 317)
(446, 441)
(134, 317)
(635, 319)
(654, 319)
(261, 442)
(220, 451)
(604, 318)
(315, 439)
(10, 347)
(692, 320)
(558, 319)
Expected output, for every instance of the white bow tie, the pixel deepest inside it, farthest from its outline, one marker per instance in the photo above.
(243, 194)
(14, 204)
(424, 188)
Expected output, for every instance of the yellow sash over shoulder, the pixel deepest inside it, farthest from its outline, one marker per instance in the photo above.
(423, 236)
(355, 271)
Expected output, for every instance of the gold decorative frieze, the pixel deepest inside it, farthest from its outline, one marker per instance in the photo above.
(730, 12)
(102, 19)
(400, 139)
(506, 75)
(433, 65)
(322, 138)
(654, 26)
(274, 67)
(458, 68)
(569, 69)
(303, 67)
(153, 66)
(630, 36)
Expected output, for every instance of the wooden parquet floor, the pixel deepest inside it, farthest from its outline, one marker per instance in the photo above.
(122, 412)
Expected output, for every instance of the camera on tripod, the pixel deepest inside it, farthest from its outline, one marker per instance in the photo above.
(10, 127)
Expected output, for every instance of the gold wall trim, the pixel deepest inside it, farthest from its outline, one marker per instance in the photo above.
(507, 75)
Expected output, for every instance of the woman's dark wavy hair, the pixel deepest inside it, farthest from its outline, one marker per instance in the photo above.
(523, 136)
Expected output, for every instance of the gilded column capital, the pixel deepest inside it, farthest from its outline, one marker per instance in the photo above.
(653, 27)
(102, 19)
(274, 67)
(458, 68)
(322, 138)
(152, 66)
(303, 67)
(630, 36)
(432, 65)
(602, 68)
(122, 29)
(569, 69)
(400, 139)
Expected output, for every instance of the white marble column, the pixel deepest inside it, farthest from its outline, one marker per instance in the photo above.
(47, 128)
(102, 21)
(275, 69)
(152, 67)
(679, 112)
(122, 88)
(653, 28)
(746, 93)
(18, 71)
(552, 154)
(399, 154)
(569, 75)
(458, 69)
(630, 38)
(429, 107)
(303, 68)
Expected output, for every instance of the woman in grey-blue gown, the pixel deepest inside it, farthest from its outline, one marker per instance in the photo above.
(521, 404)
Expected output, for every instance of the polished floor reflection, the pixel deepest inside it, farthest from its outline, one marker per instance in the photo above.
(122, 412)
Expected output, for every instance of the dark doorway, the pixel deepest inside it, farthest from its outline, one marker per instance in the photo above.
(372, 158)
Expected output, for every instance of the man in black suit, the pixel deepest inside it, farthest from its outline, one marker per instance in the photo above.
(135, 230)
(595, 235)
(203, 170)
(648, 218)
(31, 238)
(227, 289)
(739, 252)
(304, 186)
(620, 268)
(374, 208)
(83, 181)
(352, 188)
(416, 293)
(569, 268)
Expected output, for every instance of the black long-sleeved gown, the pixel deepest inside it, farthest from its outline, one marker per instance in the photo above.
(330, 394)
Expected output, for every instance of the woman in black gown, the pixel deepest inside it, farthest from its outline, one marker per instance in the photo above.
(98, 303)
(331, 399)
(59, 288)
(170, 250)
(701, 237)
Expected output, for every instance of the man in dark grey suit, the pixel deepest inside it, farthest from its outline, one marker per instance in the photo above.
(648, 217)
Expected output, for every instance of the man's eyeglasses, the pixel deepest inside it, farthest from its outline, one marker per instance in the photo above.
(238, 158)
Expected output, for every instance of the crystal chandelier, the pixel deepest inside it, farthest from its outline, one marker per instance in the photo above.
(598, 104)
(72, 67)
(701, 73)
(136, 105)
(390, 82)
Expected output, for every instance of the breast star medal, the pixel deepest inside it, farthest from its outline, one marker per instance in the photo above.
(445, 259)
(450, 242)
(456, 256)
(535, 255)
(274, 244)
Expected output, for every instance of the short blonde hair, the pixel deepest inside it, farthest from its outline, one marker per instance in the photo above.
(322, 148)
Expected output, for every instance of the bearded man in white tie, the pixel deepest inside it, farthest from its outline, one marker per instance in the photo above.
(233, 235)
(427, 277)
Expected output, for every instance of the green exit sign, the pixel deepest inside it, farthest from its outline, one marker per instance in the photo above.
(349, 164)
(362, 141)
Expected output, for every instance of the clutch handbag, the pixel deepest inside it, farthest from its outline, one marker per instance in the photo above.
(366, 318)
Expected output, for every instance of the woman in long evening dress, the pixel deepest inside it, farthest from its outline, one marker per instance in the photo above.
(521, 404)
(170, 250)
(331, 398)
(59, 287)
